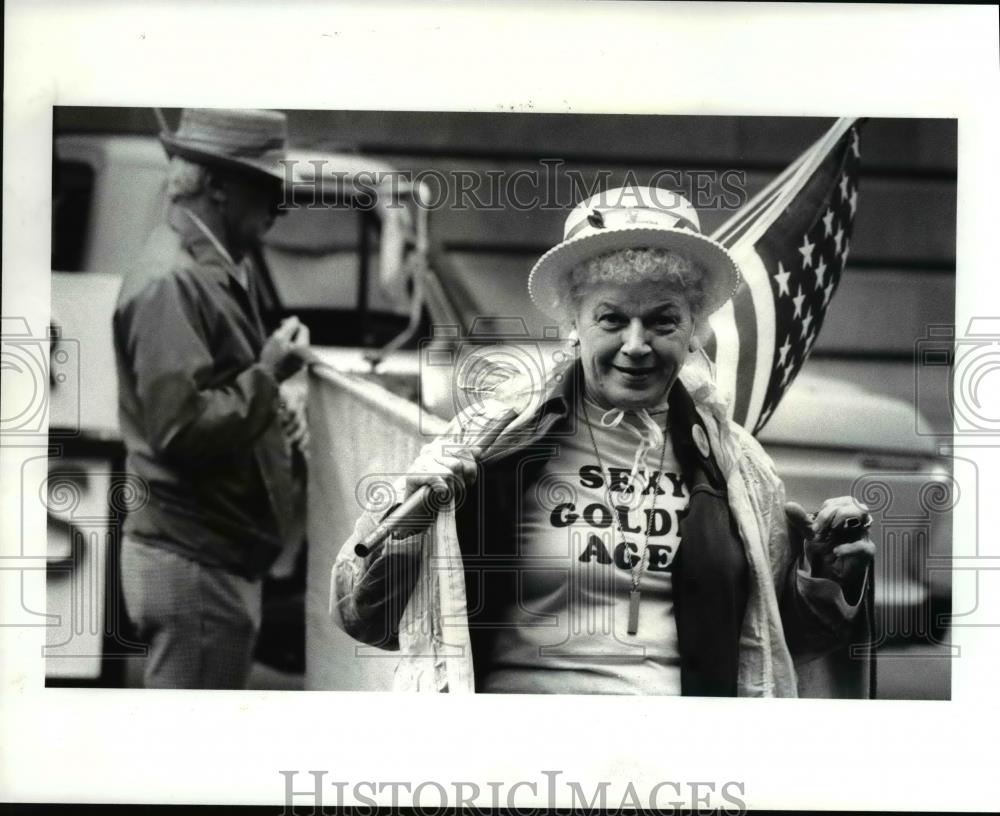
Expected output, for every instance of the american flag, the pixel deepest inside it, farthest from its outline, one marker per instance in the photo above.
(791, 242)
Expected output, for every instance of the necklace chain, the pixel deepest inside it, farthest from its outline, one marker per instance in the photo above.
(638, 567)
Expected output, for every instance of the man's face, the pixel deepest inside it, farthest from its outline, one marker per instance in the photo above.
(251, 207)
(634, 338)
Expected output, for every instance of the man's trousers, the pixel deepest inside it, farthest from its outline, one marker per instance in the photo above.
(200, 622)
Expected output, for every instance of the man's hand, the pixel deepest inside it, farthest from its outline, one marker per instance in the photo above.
(284, 352)
(835, 541)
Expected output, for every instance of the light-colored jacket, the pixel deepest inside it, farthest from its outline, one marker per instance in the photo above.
(433, 633)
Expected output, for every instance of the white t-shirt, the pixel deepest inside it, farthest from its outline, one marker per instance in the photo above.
(566, 630)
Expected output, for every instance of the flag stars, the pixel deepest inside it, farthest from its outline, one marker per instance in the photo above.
(820, 273)
(828, 222)
(845, 184)
(807, 252)
(807, 319)
(847, 249)
(815, 279)
(783, 352)
(782, 278)
(797, 300)
(810, 342)
(766, 414)
(838, 238)
(827, 293)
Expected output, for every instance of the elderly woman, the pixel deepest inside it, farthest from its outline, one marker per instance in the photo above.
(621, 536)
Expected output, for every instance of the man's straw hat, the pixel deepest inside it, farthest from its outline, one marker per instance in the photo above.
(245, 140)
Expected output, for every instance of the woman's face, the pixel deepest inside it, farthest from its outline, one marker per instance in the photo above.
(634, 338)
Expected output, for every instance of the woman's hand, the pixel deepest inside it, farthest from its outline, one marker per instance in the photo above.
(441, 470)
(835, 541)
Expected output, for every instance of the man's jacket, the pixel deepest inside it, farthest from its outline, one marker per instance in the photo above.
(198, 413)
(748, 614)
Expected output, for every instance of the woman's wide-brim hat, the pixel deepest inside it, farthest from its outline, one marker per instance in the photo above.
(248, 141)
(632, 218)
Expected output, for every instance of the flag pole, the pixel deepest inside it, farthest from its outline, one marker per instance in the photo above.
(417, 513)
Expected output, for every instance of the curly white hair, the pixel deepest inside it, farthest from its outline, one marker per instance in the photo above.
(185, 179)
(623, 266)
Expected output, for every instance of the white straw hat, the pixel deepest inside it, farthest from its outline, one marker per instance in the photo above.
(632, 218)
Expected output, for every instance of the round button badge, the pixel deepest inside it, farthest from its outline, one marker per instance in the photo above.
(700, 440)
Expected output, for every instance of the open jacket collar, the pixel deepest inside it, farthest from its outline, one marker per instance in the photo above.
(692, 400)
(205, 251)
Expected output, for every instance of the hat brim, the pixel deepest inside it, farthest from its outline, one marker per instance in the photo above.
(547, 283)
(268, 168)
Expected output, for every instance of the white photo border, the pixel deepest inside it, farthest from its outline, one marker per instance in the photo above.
(692, 58)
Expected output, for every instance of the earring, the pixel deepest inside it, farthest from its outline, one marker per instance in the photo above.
(573, 337)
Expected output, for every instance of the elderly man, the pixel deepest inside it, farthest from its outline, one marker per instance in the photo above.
(201, 407)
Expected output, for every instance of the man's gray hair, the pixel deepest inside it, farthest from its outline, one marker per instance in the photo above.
(185, 179)
(623, 266)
